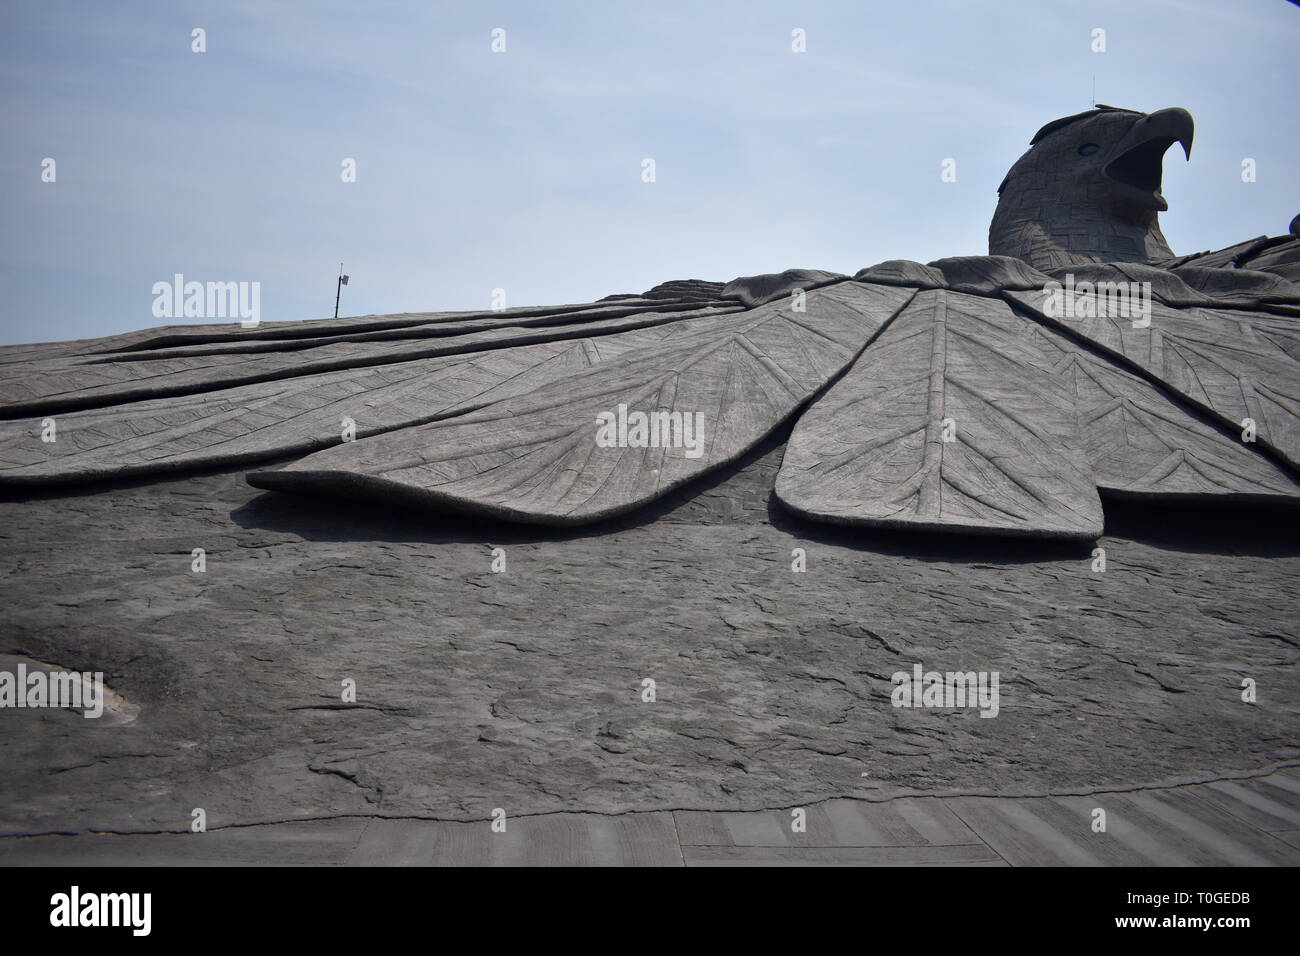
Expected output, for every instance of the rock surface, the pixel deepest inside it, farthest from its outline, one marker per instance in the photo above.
(1140, 443)
(951, 421)
(301, 413)
(1234, 364)
(758, 290)
(541, 457)
(523, 689)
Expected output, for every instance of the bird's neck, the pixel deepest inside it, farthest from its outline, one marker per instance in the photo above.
(1074, 234)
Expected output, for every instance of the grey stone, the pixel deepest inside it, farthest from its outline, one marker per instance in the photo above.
(1251, 821)
(757, 290)
(1278, 254)
(1190, 286)
(904, 272)
(479, 690)
(537, 459)
(303, 413)
(969, 432)
(1142, 444)
(1240, 288)
(1169, 287)
(1088, 190)
(1282, 260)
(1216, 360)
(988, 275)
(489, 411)
(98, 379)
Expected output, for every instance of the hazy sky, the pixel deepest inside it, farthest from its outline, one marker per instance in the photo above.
(522, 170)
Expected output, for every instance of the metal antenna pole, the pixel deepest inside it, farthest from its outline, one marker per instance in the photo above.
(338, 291)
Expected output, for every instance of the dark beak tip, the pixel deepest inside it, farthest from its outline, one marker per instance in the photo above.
(1179, 123)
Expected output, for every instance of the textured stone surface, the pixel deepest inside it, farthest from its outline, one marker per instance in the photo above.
(537, 458)
(303, 412)
(1282, 259)
(1088, 190)
(493, 411)
(522, 689)
(967, 430)
(903, 272)
(1218, 360)
(1166, 286)
(1240, 288)
(1245, 821)
(1140, 443)
(1233, 362)
(988, 275)
(1279, 255)
(757, 290)
(93, 380)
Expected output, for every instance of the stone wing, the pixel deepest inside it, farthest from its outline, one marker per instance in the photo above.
(191, 396)
(951, 396)
(1279, 255)
(976, 410)
(951, 421)
(1141, 443)
(1225, 355)
(677, 410)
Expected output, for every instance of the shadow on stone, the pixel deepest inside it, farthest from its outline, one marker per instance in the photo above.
(1204, 528)
(325, 517)
(1253, 529)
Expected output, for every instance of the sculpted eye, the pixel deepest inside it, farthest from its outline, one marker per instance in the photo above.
(1087, 149)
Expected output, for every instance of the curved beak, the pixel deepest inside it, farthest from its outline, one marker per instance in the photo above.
(1138, 163)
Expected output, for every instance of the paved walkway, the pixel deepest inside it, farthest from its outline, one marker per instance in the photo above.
(1254, 822)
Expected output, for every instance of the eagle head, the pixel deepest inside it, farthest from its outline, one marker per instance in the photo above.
(1088, 189)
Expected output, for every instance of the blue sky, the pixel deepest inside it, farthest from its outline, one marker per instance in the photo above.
(522, 170)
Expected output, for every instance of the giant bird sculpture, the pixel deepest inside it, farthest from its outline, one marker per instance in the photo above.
(999, 394)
